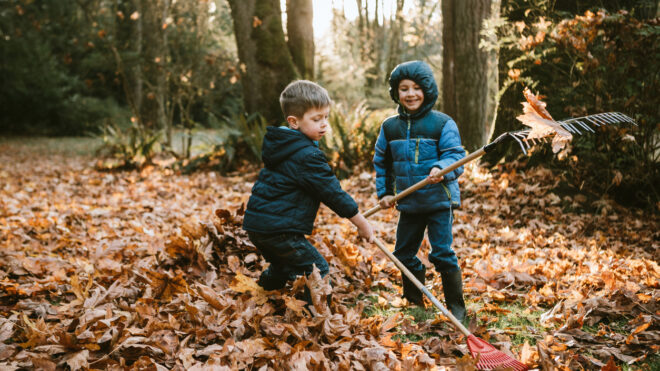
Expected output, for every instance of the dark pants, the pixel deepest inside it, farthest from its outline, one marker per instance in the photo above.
(409, 236)
(290, 255)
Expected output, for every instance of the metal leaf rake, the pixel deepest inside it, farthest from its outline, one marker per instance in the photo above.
(521, 137)
(572, 125)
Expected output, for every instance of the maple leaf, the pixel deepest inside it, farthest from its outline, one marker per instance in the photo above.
(210, 296)
(297, 306)
(610, 366)
(78, 360)
(244, 284)
(319, 289)
(541, 123)
(528, 354)
(165, 285)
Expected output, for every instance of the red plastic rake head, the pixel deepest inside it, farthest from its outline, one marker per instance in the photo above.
(489, 357)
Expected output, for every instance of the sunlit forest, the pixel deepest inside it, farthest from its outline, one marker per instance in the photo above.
(131, 135)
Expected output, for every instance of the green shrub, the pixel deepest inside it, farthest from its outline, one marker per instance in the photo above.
(350, 145)
(130, 148)
(598, 62)
(239, 138)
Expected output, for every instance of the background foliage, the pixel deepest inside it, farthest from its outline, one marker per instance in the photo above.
(585, 64)
(133, 71)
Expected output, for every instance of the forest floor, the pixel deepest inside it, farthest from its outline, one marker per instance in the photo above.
(151, 270)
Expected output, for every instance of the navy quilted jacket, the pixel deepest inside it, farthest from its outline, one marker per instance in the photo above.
(289, 189)
(410, 145)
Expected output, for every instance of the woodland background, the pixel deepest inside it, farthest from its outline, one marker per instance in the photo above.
(131, 135)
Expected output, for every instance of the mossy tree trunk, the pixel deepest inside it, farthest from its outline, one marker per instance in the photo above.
(267, 66)
(300, 32)
(469, 84)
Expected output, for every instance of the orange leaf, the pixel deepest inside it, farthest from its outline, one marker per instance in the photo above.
(610, 366)
(256, 22)
(537, 104)
(641, 328)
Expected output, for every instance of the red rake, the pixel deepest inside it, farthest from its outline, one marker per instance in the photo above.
(487, 356)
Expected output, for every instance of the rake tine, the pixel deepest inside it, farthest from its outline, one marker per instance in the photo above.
(592, 121)
(600, 118)
(587, 127)
(607, 118)
(626, 118)
(567, 127)
(577, 129)
(522, 146)
(616, 117)
(596, 119)
(620, 116)
(612, 117)
(574, 128)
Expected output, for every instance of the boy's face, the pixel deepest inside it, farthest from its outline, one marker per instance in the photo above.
(314, 123)
(411, 95)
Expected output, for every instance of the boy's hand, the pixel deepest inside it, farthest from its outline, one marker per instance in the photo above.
(434, 176)
(365, 230)
(386, 202)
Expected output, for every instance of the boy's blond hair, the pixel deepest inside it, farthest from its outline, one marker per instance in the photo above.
(302, 95)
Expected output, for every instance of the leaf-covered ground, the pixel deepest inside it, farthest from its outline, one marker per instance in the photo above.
(150, 270)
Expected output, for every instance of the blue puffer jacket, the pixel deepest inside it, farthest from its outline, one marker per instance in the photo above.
(410, 145)
(295, 179)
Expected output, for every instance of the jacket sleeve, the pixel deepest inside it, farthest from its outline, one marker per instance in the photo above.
(318, 179)
(383, 166)
(450, 150)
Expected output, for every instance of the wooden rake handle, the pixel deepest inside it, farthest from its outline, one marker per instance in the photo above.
(421, 287)
(472, 156)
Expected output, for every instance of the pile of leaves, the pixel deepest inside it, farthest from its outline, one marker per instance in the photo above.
(151, 269)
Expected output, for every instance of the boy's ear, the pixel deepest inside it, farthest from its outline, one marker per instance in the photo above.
(292, 121)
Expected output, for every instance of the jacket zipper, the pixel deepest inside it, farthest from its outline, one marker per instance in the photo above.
(408, 152)
(417, 152)
(446, 191)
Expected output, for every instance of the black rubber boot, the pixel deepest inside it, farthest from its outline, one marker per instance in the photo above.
(452, 285)
(270, 282)
(410, 291)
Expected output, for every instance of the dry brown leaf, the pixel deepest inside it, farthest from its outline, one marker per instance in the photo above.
(244, 284)
(78, 360)
(210, 296)
(541, 123)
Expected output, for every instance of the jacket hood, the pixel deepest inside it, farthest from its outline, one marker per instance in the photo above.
(420, 73)
(280, 143)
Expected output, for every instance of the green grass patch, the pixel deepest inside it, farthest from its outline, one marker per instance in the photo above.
(619, 325)
(652, 363)
(76, 146)
(520, 322)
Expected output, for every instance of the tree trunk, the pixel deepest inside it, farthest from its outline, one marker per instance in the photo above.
(396, 27)
(265, 55)
(468, 71)
(300, 31)
(137, 70)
